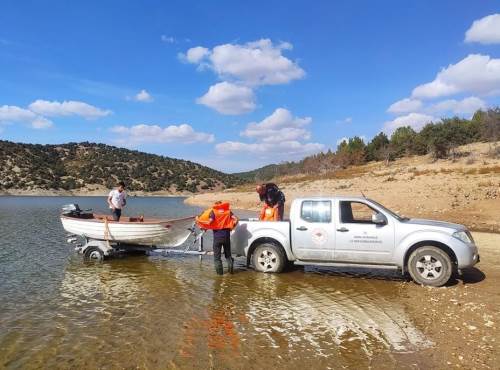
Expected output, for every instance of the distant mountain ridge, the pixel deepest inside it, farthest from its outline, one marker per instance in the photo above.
(79, 166)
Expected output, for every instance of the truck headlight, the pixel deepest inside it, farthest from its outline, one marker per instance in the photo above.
(463, 236)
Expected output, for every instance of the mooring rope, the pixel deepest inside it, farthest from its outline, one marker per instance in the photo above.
(106, 231)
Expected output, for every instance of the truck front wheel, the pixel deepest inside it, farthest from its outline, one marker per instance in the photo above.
(430, 265)
(268, 257)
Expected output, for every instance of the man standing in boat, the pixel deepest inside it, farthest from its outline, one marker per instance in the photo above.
(117, 199)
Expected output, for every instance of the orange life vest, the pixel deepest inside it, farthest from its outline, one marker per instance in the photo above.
(268, 214)
(223, 218)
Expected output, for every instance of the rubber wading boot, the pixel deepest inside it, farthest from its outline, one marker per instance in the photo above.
(219, 269)
(230, 265)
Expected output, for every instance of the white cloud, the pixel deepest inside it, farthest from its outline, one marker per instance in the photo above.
(254, 63)
(41, 123)
(281, 125)
(274, 135)
(67, 108)
(280, 136)
(143, 96)
(405, 105)
(155, 134)
(12, 113)
(465, 106)
(476, 73)
(242, 67)
(278, 150)
(168, 39)
(195, 55)
(415, 120)
(228, 98)
(485, 30)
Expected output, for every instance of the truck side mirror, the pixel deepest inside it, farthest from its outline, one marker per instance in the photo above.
(379, 219)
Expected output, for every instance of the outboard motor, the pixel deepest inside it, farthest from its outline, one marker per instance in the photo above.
(71, 210)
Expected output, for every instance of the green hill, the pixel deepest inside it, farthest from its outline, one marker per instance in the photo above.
(436, 138)
(270, 172)
(74, 166)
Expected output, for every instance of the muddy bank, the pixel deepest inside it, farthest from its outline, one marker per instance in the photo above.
(463, 319)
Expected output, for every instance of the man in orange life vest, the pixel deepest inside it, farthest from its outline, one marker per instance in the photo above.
(274, 198)
(221, 220)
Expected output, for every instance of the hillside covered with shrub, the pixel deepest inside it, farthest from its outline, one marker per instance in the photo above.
(440, 139)
(74, 166)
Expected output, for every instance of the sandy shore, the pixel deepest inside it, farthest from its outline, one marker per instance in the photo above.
(463, 319)
(466, 191)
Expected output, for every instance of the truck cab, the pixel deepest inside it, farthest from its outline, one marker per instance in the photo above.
(356, 231)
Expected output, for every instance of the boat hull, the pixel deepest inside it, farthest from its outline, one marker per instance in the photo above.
(147, 233)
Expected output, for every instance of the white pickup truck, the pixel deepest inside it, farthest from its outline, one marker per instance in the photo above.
(356, 231)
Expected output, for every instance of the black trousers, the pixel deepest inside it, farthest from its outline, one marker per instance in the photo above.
(281, 211)
(221, 243)
(117, 213)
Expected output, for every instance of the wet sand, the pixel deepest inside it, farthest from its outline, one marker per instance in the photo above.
(463, 320)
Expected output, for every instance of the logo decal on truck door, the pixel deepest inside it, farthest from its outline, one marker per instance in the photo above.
(319, 236)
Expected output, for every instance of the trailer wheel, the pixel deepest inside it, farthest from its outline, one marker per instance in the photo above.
(93, 254)
(430, 265)
(268, 257)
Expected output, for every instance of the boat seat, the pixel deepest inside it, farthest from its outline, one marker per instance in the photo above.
(136, 219)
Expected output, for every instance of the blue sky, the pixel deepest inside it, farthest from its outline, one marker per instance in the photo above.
(236, 85)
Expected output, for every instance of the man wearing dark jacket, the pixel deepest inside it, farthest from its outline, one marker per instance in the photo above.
(273, 196)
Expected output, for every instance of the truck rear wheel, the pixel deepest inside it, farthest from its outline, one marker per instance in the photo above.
(268, 257)
(430, 265)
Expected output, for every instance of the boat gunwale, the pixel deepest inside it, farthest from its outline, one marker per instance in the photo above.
(150, 221)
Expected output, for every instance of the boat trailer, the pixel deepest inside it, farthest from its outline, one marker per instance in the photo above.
(100, 249)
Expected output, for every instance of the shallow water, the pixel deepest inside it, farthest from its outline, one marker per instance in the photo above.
(160, 312)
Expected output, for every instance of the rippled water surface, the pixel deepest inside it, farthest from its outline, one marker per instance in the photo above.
(173, 312)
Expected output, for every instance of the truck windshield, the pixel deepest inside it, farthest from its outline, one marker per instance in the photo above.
(393, 214)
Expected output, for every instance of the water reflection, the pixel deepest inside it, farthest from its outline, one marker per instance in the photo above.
(155, 312)
(164, 312)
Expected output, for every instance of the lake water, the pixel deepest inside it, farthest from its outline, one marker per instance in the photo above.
(161, 312)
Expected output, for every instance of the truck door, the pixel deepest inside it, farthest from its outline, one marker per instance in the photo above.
(313, 232)
(358, 239)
